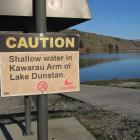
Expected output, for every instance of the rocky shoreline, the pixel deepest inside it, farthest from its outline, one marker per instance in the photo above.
(126, 83)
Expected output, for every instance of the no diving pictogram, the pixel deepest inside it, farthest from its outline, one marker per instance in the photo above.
(42, 86)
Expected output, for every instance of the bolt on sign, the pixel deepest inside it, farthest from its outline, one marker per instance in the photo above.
(34, 64)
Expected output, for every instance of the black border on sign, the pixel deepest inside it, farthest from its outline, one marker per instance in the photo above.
(4, 36)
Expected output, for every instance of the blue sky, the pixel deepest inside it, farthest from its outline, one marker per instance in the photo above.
(119, 18)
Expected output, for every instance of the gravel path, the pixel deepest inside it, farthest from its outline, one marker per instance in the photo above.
(124, 101)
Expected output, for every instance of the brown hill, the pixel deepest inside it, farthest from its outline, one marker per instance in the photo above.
(91, 42)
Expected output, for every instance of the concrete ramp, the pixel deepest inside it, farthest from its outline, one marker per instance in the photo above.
(59, 129)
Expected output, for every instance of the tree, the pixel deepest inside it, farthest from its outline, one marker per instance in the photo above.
(117, 48)
(111, 48)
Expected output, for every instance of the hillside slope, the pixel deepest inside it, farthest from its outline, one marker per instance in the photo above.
(91, 42)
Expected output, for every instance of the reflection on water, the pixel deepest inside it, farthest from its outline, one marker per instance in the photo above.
(111, 56)
(92, 61)
(127, 66)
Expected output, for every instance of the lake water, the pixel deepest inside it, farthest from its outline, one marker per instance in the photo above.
(126, 66)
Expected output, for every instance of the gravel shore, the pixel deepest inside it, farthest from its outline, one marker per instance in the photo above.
(103, 124)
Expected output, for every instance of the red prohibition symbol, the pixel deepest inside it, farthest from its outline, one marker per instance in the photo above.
(42, 86)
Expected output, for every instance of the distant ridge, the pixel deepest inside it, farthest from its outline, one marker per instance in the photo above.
(94, 43)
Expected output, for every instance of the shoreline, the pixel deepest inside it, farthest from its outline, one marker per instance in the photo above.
(124, 83)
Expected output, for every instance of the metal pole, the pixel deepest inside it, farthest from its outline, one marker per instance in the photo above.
(42, 127)
(42, 123)
(27, 116)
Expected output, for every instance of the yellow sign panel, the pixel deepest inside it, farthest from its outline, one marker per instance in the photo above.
(33, 71)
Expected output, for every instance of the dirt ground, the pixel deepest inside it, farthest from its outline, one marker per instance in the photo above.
(104, 125)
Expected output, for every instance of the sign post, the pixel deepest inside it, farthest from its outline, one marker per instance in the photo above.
(42, 101)
(39, 64)
(26, 67)
(27, 115)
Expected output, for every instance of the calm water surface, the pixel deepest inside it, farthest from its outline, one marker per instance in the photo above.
(127, 66)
